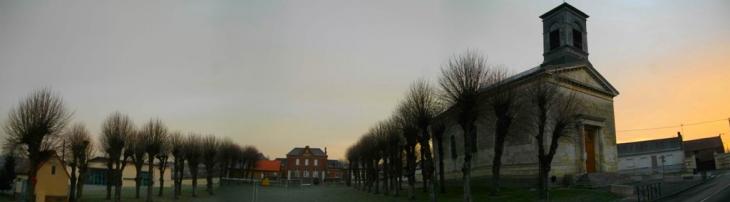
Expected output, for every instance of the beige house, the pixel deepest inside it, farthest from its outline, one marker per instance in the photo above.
(98, 173)
(51, 180)
(592, 146)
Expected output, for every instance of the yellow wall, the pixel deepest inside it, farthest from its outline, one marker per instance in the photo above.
(51, 184)
(130, 173)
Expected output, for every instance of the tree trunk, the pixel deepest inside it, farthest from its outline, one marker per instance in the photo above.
(442, 187)
(163, 168)
(427, 165)
(138, 179)
(503, 123)
(466, 169)
(386, 169)
(410, 156)
(32, 173)
(150, 178)
(209, 179)
(80, 188)
(74, 180)
(118, 180)
(109, 179)
(424, 179)
(194, 172)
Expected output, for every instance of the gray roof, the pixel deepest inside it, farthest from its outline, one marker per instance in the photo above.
(704, 143)
(282, 160)
(649, 146)
(335, 164)
(298, 151)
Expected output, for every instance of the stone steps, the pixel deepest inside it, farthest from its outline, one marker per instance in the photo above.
(589, 180)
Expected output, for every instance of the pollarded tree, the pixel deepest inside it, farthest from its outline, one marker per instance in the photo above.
(505, 103)
(162, 159)
(211, 146)
(77, 140)
(177, 143)
(555, 114)
(83, 166)
(438, 129)
(39, 116)
(251, 159)
(115, 134)
(193, 152)
(226, 151)
(422, 105)
(138, 144)
(463, 77)
(409, 125)
(155, 136)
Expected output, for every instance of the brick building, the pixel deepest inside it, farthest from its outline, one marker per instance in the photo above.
(305, 163)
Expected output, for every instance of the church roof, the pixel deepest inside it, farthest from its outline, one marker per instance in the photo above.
(564, 6)
(649, 146)
(605, 88)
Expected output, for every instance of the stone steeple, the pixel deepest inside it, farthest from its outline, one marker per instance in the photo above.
(564, 35)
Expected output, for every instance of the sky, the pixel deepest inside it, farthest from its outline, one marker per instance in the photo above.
(285, 74)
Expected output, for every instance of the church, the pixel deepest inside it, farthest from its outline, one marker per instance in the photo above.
(591, 148)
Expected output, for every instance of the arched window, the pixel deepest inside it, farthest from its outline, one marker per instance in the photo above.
(577, 36)
(554, 36)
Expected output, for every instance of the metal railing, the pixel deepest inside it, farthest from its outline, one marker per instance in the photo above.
(649, 192)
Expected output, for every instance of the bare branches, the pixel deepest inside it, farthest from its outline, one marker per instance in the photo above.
(115, 131)
(155, 136)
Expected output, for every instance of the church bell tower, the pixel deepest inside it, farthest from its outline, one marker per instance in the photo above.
(564, 35)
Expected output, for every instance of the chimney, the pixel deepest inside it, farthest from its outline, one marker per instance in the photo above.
(325, 150)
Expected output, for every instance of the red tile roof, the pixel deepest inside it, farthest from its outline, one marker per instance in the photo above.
(267, 165)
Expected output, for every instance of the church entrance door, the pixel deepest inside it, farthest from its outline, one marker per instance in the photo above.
(590, 150)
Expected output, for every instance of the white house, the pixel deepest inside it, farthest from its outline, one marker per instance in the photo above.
(651, 156)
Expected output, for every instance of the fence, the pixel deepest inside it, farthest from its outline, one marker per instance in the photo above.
(649, 192)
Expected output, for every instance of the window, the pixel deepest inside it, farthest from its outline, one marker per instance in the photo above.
(554, 36)
(97, 176)
(630, 163)
(337, 174)
(145, 178)
(296, 173)
(297, 161)
(577, 36)
(315, 173)
(306, 162)
(306, 173)
(53, 170)
(644, 162)
(315, 162)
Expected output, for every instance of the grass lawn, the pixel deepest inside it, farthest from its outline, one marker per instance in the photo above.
(244, 192)
(128, 194)
(482, 193)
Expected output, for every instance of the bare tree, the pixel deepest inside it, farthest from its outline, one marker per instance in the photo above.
(409, 125)
(115, 134)
(77, 140)
(138, 144)
(83, 166)
(193, 152)
(155, 136)
(225, 157)
(211, 147)
(251, 158)
(556, 113)
(438, 129)
(162, 159)
(40, 115)
(505, 102)
(462, 80)
(177, 142)
(421, 104)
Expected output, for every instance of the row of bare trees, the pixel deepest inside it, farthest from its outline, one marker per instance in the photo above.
(471, 90)
(37, 129)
